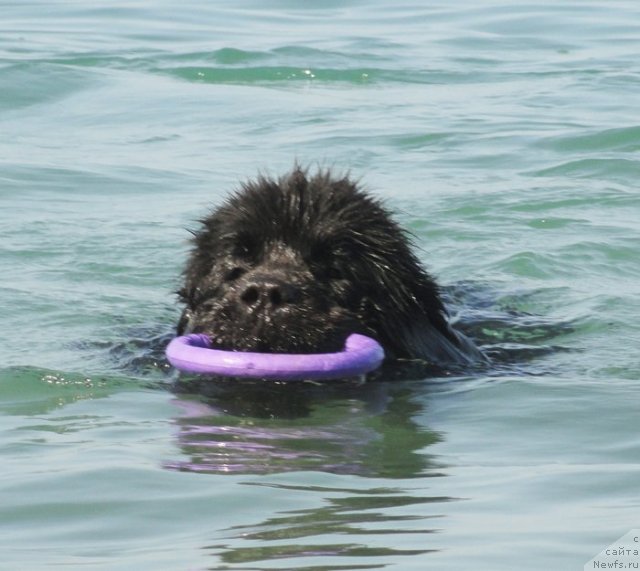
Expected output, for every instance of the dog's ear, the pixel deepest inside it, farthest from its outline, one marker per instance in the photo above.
(430, 334)
(439, 346)
(418, 328)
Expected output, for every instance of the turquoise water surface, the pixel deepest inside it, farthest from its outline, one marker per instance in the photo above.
(506, 136)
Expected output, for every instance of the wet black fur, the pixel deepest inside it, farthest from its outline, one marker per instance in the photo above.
(296, 264)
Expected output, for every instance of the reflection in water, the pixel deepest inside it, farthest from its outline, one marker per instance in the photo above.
(339, 428)
(342, 428)
(348, 524)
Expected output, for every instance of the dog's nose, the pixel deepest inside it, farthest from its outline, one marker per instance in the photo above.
(269, 293)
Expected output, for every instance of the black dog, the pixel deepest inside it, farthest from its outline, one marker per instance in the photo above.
(299, 263)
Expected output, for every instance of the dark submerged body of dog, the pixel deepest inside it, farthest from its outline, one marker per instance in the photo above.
(299, 263)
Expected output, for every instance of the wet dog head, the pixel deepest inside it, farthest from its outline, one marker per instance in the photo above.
(299, 263)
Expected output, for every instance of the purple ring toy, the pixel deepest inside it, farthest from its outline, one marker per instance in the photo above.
(193, 354)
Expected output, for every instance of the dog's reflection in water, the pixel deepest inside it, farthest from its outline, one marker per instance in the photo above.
(343, 427)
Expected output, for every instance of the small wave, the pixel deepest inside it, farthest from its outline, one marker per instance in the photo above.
(270, 74)
(31, 83)
(625, 140)
(32, 390)
(593, 167)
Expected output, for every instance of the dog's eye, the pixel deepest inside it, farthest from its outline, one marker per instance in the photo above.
(242, 251)
(234, 274)
(245, 248)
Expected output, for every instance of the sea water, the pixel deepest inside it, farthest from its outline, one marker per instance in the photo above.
(505, 136)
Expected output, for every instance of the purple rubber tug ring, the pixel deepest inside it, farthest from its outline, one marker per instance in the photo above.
(193, 354)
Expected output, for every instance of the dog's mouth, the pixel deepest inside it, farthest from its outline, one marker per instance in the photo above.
(304, 333)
